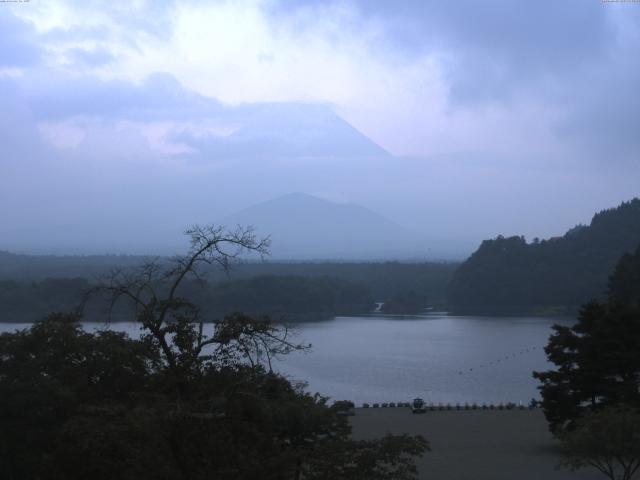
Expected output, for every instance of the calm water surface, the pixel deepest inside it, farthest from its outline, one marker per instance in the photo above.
(439, 357)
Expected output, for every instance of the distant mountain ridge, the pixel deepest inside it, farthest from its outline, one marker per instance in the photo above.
(553, 275)
(302, 226)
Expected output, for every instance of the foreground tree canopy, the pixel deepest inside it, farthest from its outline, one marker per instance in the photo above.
(179, 403)
(598, 358)
(607, 440)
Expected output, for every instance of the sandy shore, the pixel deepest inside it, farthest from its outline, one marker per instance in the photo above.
(475, 444)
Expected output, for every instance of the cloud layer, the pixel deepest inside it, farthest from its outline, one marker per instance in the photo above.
(467, 118)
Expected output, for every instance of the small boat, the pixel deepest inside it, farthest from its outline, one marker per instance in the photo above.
(418, 406)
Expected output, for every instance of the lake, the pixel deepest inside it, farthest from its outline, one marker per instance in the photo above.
(439, 357)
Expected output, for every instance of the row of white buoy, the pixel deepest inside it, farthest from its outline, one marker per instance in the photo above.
(500, 360)
(458, 406)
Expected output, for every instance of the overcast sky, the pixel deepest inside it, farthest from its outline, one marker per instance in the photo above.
(461, 119)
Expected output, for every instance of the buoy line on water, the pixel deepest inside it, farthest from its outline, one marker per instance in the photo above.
(504, 359)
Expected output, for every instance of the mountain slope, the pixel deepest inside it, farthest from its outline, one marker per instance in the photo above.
(282, 130)
(509, 273)
(303, 226)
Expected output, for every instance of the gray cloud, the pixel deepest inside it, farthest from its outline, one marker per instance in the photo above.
(257, 130)
(603, 108)
(496, 45)
(18, 46)
(160, 96)
(130, 19)
(575, 58)
(578, 60)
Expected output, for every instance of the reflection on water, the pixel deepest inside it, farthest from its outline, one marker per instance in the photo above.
(438, 357)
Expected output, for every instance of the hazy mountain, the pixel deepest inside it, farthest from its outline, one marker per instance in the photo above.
(279, 130)
(279, 136)
(304, 226)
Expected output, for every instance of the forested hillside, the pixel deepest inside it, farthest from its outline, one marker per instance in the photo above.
(295, 292)
(30, 301)
(546, 276)
(32, 286)
(384, 279)
(39, 267)
(289, 298)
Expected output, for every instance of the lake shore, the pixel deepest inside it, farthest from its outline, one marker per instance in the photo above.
(475, 444)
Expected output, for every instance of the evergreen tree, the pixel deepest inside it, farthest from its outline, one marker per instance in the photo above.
(597, 359)
(624, 284)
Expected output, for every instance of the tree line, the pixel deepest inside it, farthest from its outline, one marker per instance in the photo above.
(295, 291)
(382, 279)
(288, 298)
